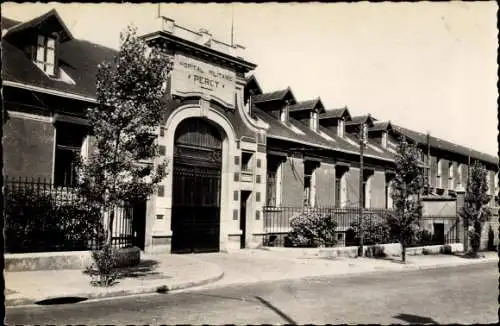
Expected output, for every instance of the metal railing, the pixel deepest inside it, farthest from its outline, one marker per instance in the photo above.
(277, 226)
(41, 216)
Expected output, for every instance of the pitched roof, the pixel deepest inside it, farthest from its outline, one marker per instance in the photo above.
(442, 144)
(7, 23)
(356, 120)
(78, 59)
(347, 144)
(65, 36)
(251, 80)
(380, 125)
(273, 96)
(335, 114)
(308, 105)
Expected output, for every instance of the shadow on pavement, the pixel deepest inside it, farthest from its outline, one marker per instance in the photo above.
(415, 319)
(145, 269)
(266, 303)
(60, 300)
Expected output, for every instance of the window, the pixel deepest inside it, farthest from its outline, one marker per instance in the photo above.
(367, 192)
(284, 114)
(459, 174)
(439, 174)
(340, 128)
(340, 185)
(46, 54)
(273, 181)
(451, 173)
(309, 184)
(314, 121)
(384, 139)
(246, 158)
(70, 140)
(365, 132)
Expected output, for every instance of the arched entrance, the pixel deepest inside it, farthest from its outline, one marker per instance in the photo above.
(196, 187)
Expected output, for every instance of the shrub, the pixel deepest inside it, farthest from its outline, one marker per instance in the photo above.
(426, 251)
(312, 229)
(423, 237)
(375, 252)
(375, 230)
(102, 270)
(37, 221)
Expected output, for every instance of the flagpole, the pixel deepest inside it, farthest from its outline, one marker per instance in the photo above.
(232, 25)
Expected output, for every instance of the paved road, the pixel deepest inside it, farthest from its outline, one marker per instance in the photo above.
(466, 294)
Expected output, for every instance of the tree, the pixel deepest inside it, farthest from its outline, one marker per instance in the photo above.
(476, 210)
(131, 90)
(407, 186)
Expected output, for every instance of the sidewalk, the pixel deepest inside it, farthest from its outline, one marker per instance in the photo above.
(253, 266)
(155, 272)
(205, 271)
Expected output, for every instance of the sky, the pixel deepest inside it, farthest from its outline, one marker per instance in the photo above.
(426, 66)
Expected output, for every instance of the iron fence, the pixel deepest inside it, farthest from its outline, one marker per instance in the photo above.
(41, 216)
(277, 222)
(433, 229)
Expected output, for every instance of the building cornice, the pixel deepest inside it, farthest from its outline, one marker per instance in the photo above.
(49, 91)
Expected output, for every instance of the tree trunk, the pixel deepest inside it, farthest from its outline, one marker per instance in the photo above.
(109, 235)
(476, 237)
(403, 252)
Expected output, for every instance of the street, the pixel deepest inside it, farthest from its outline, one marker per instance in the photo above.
(466, 294)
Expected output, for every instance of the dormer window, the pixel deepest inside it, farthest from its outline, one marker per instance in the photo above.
(46, 54)
(384, 139)
(313, 124)
(341, 128)
(284, 114)
(365, 131)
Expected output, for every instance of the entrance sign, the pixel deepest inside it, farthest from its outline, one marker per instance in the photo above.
(191, 77)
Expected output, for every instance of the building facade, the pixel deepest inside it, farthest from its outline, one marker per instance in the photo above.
(234, 150)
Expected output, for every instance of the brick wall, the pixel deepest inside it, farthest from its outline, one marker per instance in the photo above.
(28, 148)
(325, 185)
(378, 199)
(352, 184)
(292, 182)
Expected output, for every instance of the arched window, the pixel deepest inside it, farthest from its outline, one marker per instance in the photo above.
(459, 175)
(451, 175)
(440, 173)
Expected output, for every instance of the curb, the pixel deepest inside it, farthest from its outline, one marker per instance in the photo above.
(357, 271)
(112, 293)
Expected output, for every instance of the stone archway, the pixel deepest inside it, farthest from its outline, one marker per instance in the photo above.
(161, 228)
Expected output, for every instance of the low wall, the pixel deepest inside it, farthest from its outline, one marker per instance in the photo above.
(64, 260)
(391, 250)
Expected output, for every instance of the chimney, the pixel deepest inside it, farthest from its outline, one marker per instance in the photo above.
(206, 37)
(167, 24)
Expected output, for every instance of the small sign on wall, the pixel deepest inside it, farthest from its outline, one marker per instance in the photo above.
(191, 77)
